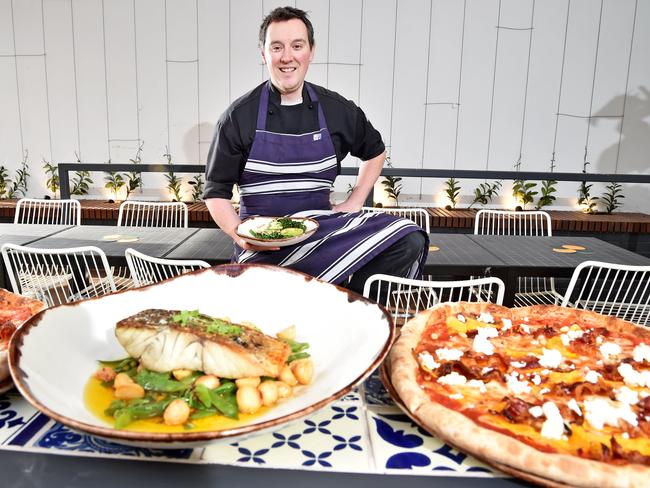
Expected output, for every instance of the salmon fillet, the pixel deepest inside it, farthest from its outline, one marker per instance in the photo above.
(164, 340)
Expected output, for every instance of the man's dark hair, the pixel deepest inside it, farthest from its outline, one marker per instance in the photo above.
(282, 14)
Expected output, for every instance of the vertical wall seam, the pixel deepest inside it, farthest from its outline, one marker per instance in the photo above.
(169, 149)
(137, 85)
(108, 125)
(627, 80)
(392, 88)
(198, 88)
(530, 44)
(559, 94)
(593, 80)
(20, 113)
(460, 80)
(426, 90)
(494, 80)
(47, 86)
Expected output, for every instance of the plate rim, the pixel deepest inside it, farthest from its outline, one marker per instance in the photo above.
(230, 269)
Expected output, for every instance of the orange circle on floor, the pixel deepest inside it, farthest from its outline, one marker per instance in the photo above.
(562, 250)
(575, 248)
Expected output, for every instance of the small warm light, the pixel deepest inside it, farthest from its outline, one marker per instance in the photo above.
(510, 202)
(441, 199)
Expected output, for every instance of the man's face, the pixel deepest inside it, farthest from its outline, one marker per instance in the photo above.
(287, 55)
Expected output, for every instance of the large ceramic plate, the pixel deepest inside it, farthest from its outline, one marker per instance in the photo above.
(53, 354)
(254, 223)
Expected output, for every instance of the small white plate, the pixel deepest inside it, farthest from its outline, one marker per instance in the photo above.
(53, 355)
(254, 223)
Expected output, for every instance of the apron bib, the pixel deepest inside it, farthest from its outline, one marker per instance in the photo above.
(292, 175)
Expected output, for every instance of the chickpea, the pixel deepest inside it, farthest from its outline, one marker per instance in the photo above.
(303, 370)
(129, 391)
(249, 399)
(122, 379)
(270, 393)
(105, 374)
(181, 374)
(210, 381)
(287, 376)
(284, 390)
(176, 413)
(253, 381)
(288, 334)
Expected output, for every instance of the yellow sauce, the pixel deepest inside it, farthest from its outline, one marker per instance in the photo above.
(97, 399)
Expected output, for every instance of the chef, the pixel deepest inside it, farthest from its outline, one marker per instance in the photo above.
(282, 144)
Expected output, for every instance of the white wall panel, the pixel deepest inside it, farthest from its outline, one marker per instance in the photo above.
(245, 67)
(476, 83)
(377, 46)
(91, 79)
(29, 37)
(214, 57)
(121, 79)
(183, 113)
(510, 85)
(544, 83)
(6, 29)
(61, 83)
(10, 131)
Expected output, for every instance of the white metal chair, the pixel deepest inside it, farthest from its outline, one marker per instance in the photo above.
(507, 223)
(57, 276)
(417, 215)
(611, 289)
(146, 270)
(42, 211)
(152, 214)
(530, 290)
(404, 297)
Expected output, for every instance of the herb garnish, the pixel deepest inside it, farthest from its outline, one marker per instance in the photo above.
(274, 229)
(193, 318)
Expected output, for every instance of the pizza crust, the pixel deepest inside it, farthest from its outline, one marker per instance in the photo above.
(459, 430)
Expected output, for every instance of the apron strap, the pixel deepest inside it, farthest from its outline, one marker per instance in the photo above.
(314, 98)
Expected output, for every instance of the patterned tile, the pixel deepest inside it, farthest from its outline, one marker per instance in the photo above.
(398, 445)
(334, 438)
(19, 421)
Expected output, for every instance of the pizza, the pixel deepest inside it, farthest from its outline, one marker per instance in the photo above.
(14, 310)
(559, 393)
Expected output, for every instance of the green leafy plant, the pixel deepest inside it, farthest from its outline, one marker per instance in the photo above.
(197, 187)
(5, 181)
(392, 184)
(485, 193)
(173, 182)
(114, 181)
(81, 181)
(547, 197)
(612, 197)
(350, 189)
(524, 191)
(134, 178)
(452, 189)
(18, 187)
(588, 202)
(52, 173)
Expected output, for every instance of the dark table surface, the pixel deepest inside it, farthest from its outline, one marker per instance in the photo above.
(211, 245)
(24, 234)
(156, 242)
(536, 253)
(35, 470)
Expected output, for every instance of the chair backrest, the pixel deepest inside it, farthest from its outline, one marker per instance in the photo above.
(152, 214)
(146, 270)
(611, 289)
(57, 276)
(504, 223)
(417, 215)
(404, 297)
(41, 211)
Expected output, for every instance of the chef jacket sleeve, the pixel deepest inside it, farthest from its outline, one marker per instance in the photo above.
(226, 159)
(367, 142)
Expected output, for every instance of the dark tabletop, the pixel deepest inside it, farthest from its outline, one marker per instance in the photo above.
(457, 254)
(23, 234)
(29, 470)
(211, 245)
(537, 252)
(156, 242)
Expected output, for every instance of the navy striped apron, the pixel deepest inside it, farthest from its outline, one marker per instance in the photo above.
(293, 174)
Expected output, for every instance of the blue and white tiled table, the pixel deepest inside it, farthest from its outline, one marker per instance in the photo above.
(363, 432)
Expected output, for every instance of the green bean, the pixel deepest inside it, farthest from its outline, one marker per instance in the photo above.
(123, 418)
(226, 387)
(204, 412)
(150, 380)
(226, 404)
(296, 346)
(203, 394)
(299, 355)
(114, 405)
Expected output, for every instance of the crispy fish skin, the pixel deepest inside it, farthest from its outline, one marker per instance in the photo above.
(162, 344)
